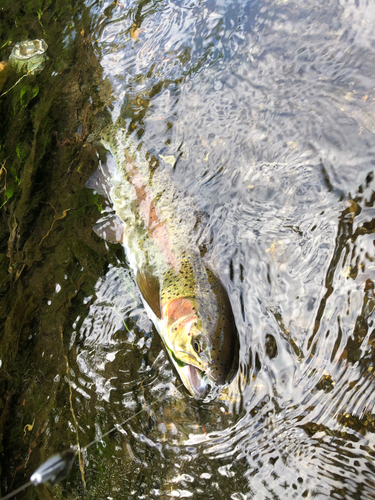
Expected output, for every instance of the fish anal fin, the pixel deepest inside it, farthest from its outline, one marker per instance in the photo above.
(111, 229)
(150, 289)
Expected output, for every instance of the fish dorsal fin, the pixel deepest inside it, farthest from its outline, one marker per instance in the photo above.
(111, 229)
(150, 289)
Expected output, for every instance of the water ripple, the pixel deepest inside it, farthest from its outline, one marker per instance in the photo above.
(268, 107)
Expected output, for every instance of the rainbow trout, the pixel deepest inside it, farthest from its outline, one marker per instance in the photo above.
(155, 222)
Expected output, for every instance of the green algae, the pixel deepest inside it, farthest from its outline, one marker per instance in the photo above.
(45, 228)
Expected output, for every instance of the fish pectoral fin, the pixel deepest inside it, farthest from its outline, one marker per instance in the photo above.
(150, 289)
(111, 229)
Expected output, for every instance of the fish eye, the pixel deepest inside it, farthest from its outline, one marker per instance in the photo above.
(196, 346)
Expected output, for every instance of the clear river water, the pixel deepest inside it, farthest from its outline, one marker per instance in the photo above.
(264, 113)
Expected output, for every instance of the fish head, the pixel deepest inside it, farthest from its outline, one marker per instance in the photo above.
(203, 347)
(196, 323)
(185, 333)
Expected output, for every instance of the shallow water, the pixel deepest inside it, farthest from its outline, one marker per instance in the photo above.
(269, 109)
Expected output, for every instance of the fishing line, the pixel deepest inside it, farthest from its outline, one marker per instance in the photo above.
(57, 467)
(18, 490)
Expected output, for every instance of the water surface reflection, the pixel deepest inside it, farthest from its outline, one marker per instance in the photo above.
(269, 109)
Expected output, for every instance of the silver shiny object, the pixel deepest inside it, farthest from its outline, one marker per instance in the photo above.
(55, 469)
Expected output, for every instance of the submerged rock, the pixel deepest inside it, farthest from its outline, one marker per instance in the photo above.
(29, 56)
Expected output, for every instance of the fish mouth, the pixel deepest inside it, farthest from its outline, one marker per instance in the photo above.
(195, 381)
